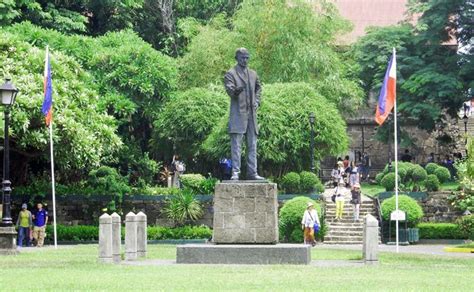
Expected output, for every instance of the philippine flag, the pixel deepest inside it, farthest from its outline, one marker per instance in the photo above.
(47, 108)
(388, 93)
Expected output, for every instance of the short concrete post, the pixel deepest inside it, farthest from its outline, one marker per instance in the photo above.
(141, 234)
(371, 240)
(130, 237)
(105, 238)
(116, 239)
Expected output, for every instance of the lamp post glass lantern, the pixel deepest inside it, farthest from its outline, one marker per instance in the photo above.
(8, 93)
(311, 122)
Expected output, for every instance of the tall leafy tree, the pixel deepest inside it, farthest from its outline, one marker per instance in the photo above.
(432, 68)
(288, 42)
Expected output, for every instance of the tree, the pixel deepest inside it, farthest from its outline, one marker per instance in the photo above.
(130, 89)
(285, 131)
(288, 43)
(186, 120)
(432, 73)
(84, 135)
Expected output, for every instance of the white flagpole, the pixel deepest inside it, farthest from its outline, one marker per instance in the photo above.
(396, 161)
(53, 184)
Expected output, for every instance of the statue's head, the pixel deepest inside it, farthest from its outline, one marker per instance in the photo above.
(242, 56)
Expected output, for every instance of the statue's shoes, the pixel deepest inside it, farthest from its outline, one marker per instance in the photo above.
(256, 177)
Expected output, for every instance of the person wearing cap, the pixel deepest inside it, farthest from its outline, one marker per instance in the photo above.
(356, 200)
(354, 175)
(40, 219)
(24, 223)
(310, 217)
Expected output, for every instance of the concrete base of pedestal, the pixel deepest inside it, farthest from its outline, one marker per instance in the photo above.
(280, 254)
(8, 240)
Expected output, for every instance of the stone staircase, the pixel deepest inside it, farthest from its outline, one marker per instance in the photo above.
(346, 231)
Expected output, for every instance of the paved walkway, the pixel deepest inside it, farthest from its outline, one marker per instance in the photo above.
(426, 249)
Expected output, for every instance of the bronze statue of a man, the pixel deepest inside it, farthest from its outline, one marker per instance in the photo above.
(243, 87)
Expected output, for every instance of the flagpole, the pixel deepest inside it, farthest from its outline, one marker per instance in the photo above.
(396, 162)
(53, 184)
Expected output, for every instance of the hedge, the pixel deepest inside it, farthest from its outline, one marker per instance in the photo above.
(81, 233)
(406, 204)
(290, 219)
(440, 231)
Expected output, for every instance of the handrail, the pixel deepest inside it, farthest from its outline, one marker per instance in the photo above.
(378, 207)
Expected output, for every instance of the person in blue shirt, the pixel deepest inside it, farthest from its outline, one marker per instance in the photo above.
(40, 220)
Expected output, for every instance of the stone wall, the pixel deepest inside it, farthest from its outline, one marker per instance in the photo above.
(79, 210)
(437, 208)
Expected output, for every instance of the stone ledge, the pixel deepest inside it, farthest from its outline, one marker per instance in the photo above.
(289, 254)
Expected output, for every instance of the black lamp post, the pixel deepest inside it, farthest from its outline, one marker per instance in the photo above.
(465, 119)
(311, 122)
(8, 93)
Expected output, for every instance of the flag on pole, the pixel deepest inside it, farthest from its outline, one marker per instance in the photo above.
(388, 93)
(47, 108)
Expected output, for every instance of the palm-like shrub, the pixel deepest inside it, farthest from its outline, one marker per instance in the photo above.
(183, 207)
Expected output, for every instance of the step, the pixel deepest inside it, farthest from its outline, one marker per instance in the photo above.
(345, 227)
(345, 242)
(345, 233)
(333, 211)
(342, 238)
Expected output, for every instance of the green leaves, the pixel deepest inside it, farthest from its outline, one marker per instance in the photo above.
(183, 207)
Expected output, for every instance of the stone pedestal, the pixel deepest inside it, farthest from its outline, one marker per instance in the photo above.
(130, 237)
(105, 238)
(141, 234)
(8, 240)
(290, 254)
(116, 239)
(371, 240)
(245, 212)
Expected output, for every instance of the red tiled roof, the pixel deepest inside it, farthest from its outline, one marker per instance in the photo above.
(365, 13)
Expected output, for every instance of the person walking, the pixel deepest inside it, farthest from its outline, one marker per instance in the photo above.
(40, 219)
(24, 223)
(356, 201)
(354, 175)
(310, 217)
(339, 206)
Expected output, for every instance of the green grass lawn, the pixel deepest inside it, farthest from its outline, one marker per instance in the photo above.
(76, 268)
(371, 190)
(374, 190)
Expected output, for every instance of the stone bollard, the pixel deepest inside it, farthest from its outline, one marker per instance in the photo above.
(130, 237)
(141, 234)
(105, 238)
(116, 239)
(371, 240)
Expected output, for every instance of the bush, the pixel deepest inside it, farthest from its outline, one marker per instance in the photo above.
(432, 183)
(192, 181)
(440, 231)
(155, 191)
(291, 182)
(91, 233)
(185, 232)
(73, 233)
(443, 174)
(388, 182)
(319, 187)
(308, 182)
(379, 177)
(466, 224)
(431, 167)
(418, 174)
(107, 181)
(183, 207)
(290, 218)
(406, 204)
